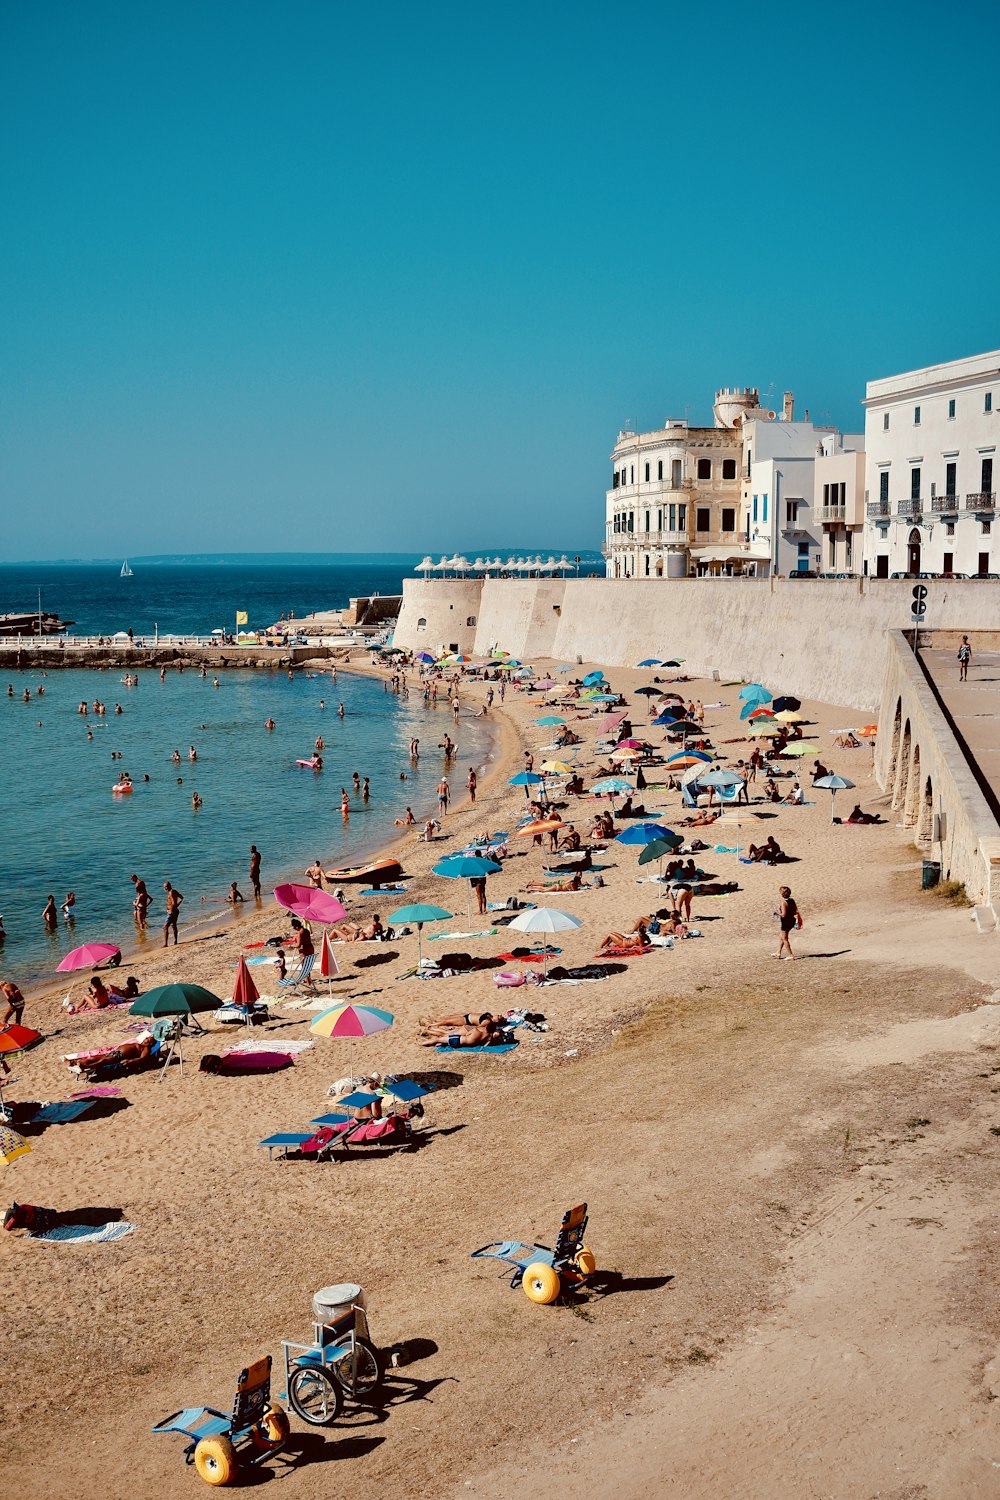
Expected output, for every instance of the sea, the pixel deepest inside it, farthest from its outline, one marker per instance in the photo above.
(64, 830)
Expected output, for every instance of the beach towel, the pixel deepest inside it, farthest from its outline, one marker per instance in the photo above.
(501, 1047)
(98, 1091)
(624, 952)
(439, 937)
(291, 1047)
(85, 1234)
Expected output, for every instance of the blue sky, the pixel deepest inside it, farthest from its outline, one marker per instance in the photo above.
(280, 275)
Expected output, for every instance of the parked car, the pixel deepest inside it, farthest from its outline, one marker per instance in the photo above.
(804, 573)
(980, 575)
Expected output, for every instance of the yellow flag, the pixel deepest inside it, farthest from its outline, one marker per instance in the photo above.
(241, 617)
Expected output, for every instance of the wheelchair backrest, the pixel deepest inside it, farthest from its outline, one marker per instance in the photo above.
(571, 1233)
(253, 1394)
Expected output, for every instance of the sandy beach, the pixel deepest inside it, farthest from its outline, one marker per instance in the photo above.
(790, 1167)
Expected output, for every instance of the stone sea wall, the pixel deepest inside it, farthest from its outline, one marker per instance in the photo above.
(823, 639)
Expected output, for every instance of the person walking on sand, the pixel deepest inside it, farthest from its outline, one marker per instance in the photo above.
(788, 917)
(314, 874)
(15, 1003)
(444, 795)
(472, 782)
(255, 871)
(174, 899)
(964, 658)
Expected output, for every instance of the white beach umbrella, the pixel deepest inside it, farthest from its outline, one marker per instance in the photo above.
(545, 919)
(425, 566)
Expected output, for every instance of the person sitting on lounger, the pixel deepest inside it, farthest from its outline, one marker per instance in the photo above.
(573, 883)
(768, 853)
(616, 940)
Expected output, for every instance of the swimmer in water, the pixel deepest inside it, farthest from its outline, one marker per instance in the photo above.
(196, 801)
(340, 711)
(176, 757)
(192, 754)
(269, 724)
(322, 703)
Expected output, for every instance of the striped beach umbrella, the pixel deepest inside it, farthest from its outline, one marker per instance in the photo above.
(12, 1145)
(351, 1021)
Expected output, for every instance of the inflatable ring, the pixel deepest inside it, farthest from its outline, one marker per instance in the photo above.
(508, 979)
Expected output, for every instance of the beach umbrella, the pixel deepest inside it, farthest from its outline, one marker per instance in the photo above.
(175, 1000)
(310, 904)
(769, 730)
(612, 784)
(684, 726)
(12, 1145)
(691, 755)
(245, 992)
(661, 847)
(787, 716)
(650, 692)
(544, 919)
(611, 721)
(720, 778)
(631, 745)
(468, 867)
(758, 713)
(544, 685)
(87, 957)
(328, 965)
(650, 661)
(544, 825)
(593, 678)
(14, 1038)
(603, 697)
(800, 747)
(626, 754)
(419, 913)
(549, 720)
(755, 693)
(673, 661)
(786, 702)
(526, 779)
(351, 1021)
(424, 656)
(557, 767)
(643, 833)
(835, 785)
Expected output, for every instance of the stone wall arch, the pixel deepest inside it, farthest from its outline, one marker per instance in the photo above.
(902, 768)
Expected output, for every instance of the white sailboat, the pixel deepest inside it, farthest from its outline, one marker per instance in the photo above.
(126, 571)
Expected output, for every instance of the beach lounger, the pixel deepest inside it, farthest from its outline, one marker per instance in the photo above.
(219, 1444)
(285, 1141)
(302, 975)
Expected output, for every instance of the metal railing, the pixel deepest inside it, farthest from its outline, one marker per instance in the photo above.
(833, 513)
(944, 504)
(981, 501)
(877, 508)
(911, 505)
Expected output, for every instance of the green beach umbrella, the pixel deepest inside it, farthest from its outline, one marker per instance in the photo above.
(175, 1000)
(419, 913)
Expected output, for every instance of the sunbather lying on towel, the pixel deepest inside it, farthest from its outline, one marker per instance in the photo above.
(620, 940)
(485, 1035)
(572, 884)
(700, 820)
(358, 932)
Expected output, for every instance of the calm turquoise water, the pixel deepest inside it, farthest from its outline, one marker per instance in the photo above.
(63, 829)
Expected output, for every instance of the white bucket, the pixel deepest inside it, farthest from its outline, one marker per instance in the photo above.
(331, 1302)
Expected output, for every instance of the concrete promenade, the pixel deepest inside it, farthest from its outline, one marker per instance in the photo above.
(973, 706)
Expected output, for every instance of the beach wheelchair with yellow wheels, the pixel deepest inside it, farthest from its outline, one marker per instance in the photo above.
(221, 1445)
(340, 1361)
(545, 1274)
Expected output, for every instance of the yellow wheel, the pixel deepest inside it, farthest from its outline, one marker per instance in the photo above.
(541, 1282)
(274, 1428)
(215, 1460)
(586, 1261)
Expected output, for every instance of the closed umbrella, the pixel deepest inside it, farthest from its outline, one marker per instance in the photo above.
(418, 913)
(245, 992)
(87, 957)
(835, 784)
(545, 919)
(351, 1021)
(328, 965)
(310, 904)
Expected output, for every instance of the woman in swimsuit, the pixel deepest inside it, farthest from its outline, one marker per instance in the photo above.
(787, 914)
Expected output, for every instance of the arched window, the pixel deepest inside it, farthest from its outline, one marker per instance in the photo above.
(422, 623)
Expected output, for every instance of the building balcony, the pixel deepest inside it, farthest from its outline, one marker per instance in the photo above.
(980, 502)
(945, 505)
(877, 508)
(909, 508)
(833, 515)
(624, 540)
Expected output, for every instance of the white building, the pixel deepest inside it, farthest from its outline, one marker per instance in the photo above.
(930, 475)
(801, 495)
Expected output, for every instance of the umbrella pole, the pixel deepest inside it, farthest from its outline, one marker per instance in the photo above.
(420, 944)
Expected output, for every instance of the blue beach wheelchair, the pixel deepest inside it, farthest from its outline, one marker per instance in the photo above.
(544, 1274)
(219, 1445)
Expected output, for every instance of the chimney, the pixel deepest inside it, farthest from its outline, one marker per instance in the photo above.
(788, 412)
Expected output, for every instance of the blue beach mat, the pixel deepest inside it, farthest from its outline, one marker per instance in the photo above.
(504, 1047)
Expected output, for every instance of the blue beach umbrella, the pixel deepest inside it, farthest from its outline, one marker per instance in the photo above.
(549, 720)
(650, 661)
(643, 833)
(612, 784)
(467, 867)
(525, 779)
(593, 678)
(604, 698)
(755, 693)
(688, 755)
(423, 656)
(719, 778)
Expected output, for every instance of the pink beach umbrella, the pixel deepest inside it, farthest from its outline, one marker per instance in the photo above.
(88, 957)
(308, 903)
(328, 965)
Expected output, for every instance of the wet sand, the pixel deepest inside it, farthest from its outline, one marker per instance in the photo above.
(790, 1166)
